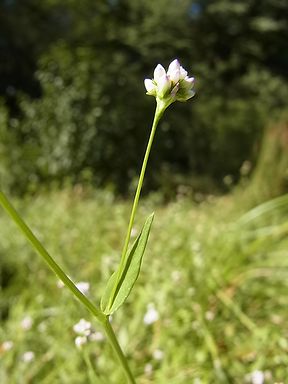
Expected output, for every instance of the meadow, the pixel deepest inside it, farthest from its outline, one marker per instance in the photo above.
(210, 304)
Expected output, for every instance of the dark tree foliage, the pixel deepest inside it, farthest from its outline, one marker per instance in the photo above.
(73, 102)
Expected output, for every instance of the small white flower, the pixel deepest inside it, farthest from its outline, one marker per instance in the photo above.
(171, 86)
(26, 323)
(96, 336)
(83, 287)
(7, 345)
(80, 341)
(83, 327)
(148, 369)
(257, 377)
(151, 316)
(158, 354)
(28, 356)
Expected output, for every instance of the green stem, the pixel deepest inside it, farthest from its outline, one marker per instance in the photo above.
(49, 260)
(118, 351)
(160, 108)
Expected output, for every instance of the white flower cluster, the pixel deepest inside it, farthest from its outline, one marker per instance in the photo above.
(83, 286)
(151, 316)
(175, 84)
(257, 377)
(28, 356)
(85, 332)
(27, 323)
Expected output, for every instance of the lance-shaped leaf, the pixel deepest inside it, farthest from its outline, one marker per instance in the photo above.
(128, 274)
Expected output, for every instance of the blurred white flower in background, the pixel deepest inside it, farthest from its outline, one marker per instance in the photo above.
(151, 316)
(28, 356)
(80, 341)
(83, 327)
(85, 333)
(148, 369)
(83, 287)
(158, 354)
(26, 323)
(96, 336)
(257, 377)
(7, 345)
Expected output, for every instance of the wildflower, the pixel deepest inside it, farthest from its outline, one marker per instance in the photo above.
(7, 345)
(158, 354)
(83, 287)
(167, 87)
(83, 327)
(80, 341)
(26, 323)
(151, 316)
(96, 336)
(257, 377)
(148, 369)
(28, 356)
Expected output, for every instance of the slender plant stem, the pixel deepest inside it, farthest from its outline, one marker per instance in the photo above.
(158, 114)
(118, 351)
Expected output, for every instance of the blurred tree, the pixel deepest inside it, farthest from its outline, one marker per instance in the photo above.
(91, 112)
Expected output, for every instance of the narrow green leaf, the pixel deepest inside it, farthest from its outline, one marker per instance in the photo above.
(129, 274)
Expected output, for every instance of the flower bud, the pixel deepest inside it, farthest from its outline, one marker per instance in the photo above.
(171, 86)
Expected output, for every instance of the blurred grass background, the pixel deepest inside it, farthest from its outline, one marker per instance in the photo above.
(219, 286)
(74, 121)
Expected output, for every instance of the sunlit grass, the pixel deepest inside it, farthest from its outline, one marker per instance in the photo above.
(219, 288)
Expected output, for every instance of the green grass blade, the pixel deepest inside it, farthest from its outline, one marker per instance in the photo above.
(269, 207)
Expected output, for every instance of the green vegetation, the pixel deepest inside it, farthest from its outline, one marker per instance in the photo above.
(219, 288)
(79, 100)
(210, 304)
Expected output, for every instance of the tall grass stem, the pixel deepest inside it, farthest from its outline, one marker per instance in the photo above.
(160, 108)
